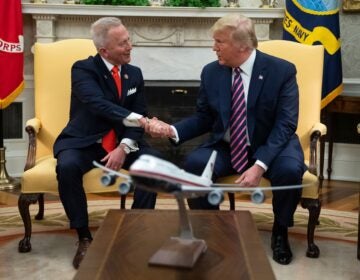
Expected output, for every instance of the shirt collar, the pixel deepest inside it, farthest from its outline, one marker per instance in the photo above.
(108, 65)
(248, 65)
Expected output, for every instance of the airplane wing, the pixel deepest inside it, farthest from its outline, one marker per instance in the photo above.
(111, 172)
(236, 188)
(215, 192)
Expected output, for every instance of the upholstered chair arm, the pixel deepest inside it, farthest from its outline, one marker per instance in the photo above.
(32, 128)
(319, 127)
(317, 131)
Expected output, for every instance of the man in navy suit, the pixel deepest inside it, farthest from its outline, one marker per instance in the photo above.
(272, 103)
(99, 107)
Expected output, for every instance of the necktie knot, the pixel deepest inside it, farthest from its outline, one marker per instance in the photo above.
(115, 70)
(237, 70)
(116, 76)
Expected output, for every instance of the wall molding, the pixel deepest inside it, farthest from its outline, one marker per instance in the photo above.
(148, 26)
(138, 11)
(345, 162)
(351, 86)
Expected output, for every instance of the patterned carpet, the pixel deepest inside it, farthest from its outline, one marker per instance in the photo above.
(333, 224)
(53, 246)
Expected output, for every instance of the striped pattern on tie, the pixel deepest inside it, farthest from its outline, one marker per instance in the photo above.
(238, 141)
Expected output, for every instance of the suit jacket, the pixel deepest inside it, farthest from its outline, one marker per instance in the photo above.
(272, 108)
(95, 106)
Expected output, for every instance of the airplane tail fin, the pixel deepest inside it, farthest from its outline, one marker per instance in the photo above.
(209, 168)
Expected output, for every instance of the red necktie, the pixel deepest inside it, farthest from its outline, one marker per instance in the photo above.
(238, 141)
(109, 139)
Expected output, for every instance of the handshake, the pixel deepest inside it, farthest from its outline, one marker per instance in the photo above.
(157, 128)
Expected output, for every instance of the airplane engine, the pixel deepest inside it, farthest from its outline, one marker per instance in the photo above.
(215, 197)
(257, 196)
(125, 188)
(108, 180)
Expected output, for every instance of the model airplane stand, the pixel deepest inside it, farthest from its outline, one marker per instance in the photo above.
(182, 251)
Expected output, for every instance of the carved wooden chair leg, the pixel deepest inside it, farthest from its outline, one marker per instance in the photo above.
(122, 201)
(23, 204)
(314, 208)
(232, 200)
(40, 214)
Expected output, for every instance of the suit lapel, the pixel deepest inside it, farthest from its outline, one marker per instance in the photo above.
(108, 79)
(224, 95)
(258, 76)
(124, 82)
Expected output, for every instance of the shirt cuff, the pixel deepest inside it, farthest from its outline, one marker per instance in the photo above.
(132, 120)
(261, 164)
(133, 146)
(176, 138)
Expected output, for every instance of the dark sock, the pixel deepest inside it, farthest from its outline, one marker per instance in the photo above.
(279, 229)
(84, 232)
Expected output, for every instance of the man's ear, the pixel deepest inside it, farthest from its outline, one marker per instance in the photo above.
(103, 52)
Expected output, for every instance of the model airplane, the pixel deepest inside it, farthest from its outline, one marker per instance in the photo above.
(157, 175)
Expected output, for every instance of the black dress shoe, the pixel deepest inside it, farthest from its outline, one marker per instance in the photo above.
(281, 249)
(83, 245)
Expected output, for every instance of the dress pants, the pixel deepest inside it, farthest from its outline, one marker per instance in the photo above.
(72, 164)
(283, 171)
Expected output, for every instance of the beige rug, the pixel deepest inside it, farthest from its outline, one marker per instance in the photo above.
(53, 250)
(333, 224)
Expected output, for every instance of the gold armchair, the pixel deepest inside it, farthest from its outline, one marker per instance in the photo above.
(309, 64)
(52, 70)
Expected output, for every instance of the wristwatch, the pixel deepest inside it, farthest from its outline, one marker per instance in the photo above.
(126, 148)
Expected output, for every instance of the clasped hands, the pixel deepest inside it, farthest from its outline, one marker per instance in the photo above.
(157, 128)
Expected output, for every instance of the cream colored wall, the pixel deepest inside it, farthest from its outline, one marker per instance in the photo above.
(349, 28)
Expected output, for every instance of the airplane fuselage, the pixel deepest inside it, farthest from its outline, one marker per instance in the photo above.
(154, 174)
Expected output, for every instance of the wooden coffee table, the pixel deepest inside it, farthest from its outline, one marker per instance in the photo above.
(127, 239)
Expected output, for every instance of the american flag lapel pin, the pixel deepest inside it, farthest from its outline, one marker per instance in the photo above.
(261, 77)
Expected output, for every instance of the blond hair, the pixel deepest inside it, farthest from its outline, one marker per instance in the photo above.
(243, 30)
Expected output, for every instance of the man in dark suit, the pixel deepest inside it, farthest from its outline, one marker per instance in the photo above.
(255, 135)
(106, 123)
